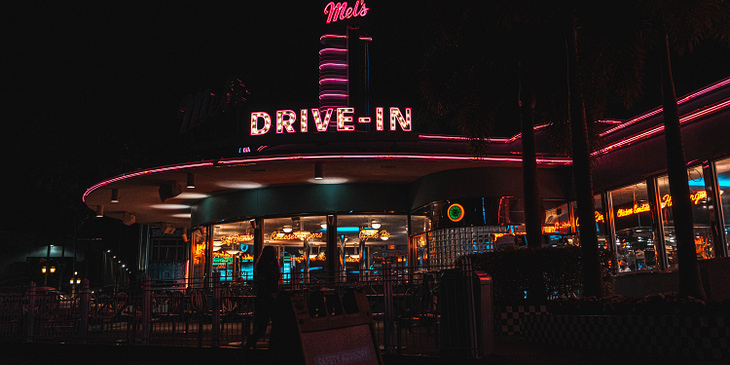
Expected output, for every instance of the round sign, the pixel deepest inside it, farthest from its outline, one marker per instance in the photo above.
(455, 212)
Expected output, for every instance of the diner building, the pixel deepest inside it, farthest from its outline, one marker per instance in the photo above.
(345, 189)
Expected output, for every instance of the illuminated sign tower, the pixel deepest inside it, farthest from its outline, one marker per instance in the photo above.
(344, 70)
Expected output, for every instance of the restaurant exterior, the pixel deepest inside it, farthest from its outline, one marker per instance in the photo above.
(345, 189)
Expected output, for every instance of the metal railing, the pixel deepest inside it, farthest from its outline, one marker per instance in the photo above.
(404, 308)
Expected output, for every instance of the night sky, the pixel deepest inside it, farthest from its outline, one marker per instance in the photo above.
(93, 87)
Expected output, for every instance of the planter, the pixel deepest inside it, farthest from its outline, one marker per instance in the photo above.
(694, 337)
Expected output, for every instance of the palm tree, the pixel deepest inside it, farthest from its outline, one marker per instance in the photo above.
(681, 25)
(533, 35)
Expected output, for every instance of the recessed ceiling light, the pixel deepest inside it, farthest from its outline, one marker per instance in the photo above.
(170, 206)
(239, 185)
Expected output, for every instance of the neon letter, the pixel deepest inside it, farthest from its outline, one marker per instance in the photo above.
(397, 117)
(379, 119)
(303, 120)
(321, 124)
(340, 11)
(285, 120)
(343, 117)
(255, 131)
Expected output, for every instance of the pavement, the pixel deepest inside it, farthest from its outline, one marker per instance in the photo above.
(508, 350)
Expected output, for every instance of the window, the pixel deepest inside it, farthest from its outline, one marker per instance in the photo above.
(700, 214)
(722, 168)
(635, 250)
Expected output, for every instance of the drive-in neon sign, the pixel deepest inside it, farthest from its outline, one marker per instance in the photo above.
(286, 121)
(340, 10)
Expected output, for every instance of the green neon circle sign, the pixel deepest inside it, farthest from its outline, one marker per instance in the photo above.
(455, 212)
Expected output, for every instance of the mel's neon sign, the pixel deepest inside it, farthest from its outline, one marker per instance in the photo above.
(289, 121)
(340, 11)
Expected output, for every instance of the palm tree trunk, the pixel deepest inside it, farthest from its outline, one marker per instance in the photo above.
(533, 221)
(582, 174)
(690, 283)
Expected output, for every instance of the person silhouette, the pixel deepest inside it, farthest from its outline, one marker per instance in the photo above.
(266, 285)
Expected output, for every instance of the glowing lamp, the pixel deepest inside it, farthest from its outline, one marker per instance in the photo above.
(318, 171)
(115, 195)
(375, 224)
(286, 229)
(53, 269)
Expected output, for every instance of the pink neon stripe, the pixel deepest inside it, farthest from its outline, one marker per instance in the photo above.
(338, 36)
(333, 65)
(155, 170)
(332, 50)
(680, 101)
(460, 138)
(326, 80)
(660, 128)
(331, 95)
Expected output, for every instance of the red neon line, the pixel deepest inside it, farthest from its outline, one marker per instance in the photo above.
(325, 80)
(158, 170)
(680, 101)
(660, 128)
(151, 171)
(338, 36)
(333, 65)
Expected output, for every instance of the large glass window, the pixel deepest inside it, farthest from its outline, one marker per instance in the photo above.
(600, 222)
(367, 242)
(723, 180)
(302, 245)
(557, 228)
(233, 251)
(198, 246)
(635, 250)
(698, 196)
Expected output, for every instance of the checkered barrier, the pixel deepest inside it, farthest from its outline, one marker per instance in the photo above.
(691, 337)
(511, 318)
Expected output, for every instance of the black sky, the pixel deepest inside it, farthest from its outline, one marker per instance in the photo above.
(89, 85)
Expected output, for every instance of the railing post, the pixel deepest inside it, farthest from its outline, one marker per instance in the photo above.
(146, 309)
(84, 311)
(389, 315)
(30, 334)
(216, 308)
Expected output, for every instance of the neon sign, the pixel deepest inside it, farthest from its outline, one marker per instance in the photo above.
(623, 212)
(340, 11)
(295, 235)
(236, 238)
(286, 120)
(455, 212)
(695, 198)
(367, 234)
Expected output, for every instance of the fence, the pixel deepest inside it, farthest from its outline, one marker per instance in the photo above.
(405, 308)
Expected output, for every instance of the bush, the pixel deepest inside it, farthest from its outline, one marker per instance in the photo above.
(654, 304)
(535, 275)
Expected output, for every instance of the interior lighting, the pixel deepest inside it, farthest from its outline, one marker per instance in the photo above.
(115, 195)
(53, 269)
(99, 211)
(286, 229)
(191, 181)
(375, 224)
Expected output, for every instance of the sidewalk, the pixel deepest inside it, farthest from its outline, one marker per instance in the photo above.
(508, 350)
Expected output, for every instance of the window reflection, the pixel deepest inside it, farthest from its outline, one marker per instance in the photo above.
(700, 213)
(635, 250)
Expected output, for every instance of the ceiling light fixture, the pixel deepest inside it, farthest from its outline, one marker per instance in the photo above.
(99, 211)
(191, 180)
(375, 224)
(115, 195)
(318, 171)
